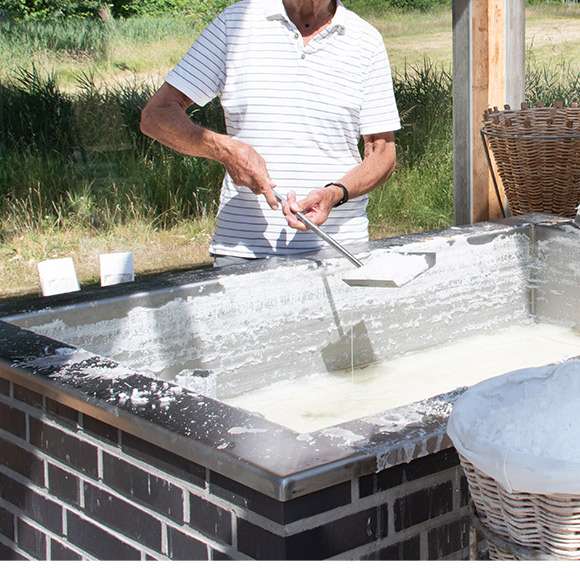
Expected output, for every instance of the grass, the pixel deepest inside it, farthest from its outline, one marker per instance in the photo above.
(154, 250)
(142, 47)
(88, 182)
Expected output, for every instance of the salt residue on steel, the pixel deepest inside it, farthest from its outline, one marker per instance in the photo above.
(77, 366)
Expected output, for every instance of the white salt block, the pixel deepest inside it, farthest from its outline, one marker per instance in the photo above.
(116, 268)
(390, 270)
(58, 276)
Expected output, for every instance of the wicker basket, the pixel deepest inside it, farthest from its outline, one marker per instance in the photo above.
(499, 548)
(549, 524)
(537, 155)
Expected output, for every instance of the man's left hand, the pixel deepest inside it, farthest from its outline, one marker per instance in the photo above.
(315, 206)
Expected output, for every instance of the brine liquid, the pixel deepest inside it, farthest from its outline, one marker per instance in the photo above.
(321, 400)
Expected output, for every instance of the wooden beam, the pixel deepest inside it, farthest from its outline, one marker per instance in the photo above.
(488, 70)
(482, 48)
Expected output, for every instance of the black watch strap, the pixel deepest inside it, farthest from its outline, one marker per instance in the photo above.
(345, 194)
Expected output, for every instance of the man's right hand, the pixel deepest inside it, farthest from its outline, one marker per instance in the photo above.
(247, 168)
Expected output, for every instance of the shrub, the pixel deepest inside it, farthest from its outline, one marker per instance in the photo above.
(204, 10)
(51, 9)
(148, 7)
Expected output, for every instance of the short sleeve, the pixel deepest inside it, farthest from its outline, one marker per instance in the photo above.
(379, 112)
(201, 72)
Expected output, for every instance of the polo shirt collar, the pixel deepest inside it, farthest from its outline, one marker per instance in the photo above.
(275, 10)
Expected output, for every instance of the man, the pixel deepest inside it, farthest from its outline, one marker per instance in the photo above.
(299, 81)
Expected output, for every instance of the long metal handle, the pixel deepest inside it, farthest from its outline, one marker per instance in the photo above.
(330, 240)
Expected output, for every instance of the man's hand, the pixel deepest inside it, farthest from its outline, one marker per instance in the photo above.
(247, 168)
(316, 206)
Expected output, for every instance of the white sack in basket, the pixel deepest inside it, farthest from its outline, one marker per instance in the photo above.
(523, 429)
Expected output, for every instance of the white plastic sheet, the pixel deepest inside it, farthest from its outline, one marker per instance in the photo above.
(523, 429)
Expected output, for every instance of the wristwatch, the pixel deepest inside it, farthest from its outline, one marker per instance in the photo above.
(345, 194)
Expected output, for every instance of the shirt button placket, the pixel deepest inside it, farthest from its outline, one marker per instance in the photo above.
(300, 46)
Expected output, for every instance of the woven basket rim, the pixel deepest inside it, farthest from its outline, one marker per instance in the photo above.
(505, 134)
(542, 123)
(530, 111)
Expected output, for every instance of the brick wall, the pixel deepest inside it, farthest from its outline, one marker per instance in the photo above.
(72, 487)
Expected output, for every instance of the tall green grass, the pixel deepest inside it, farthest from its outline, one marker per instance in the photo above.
(79, 158)
(560, 82)
(89, 41)
(80, 37)
(373, 7)
(420, 193)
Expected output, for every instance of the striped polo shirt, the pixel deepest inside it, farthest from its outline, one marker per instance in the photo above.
(303, 108)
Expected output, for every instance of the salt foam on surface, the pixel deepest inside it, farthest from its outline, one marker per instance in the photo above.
(523, 428)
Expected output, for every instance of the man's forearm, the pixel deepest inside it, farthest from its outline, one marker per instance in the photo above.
(376, 167)
(165, 119)
(170, 125)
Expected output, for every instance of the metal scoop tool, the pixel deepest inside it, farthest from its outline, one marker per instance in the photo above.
(354, 278)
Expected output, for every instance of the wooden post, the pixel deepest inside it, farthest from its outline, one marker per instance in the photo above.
(488, 70)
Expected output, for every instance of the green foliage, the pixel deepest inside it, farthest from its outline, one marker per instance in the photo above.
(34, 114)
(422, 5)
(206, 10)
(51, 9)
(418, 196)
(126, 8)
(424, 99)
(82, 157)
(87, 41)
(203, 10)
(420, 193)
(560, 2)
